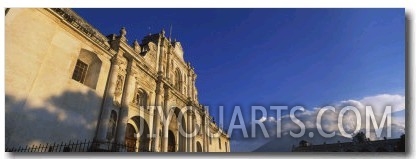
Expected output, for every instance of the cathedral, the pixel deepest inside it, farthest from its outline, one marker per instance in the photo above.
(64, 80)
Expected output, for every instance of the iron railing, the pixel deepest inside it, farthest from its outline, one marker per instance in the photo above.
(79, 146)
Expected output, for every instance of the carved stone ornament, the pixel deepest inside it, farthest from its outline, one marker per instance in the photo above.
(135, 97)
(119, 86)
(152, 46)
(117, 103)
(135, 43)
(137, 47)
(80, 24)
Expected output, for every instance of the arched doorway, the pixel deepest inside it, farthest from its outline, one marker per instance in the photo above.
(171, 141)
(181, 125)
(137, 127)
(199, 148)
(130, 138)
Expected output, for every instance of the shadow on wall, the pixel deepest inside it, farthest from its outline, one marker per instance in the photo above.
(68, 116)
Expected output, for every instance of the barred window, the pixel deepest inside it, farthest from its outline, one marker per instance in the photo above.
(80, 71)
(87, 68)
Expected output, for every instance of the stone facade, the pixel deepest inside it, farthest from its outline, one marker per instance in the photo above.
(67, 81)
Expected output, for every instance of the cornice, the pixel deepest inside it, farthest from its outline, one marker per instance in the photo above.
(78, 24)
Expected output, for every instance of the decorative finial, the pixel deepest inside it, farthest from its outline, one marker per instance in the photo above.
(113, 37)
(163, 32)
(123, 32)
(135, 43)
(136, 46)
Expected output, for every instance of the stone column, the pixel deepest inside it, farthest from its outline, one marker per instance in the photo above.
(161, 60)
(108, 99)
(193, 125)
(156, 117)
(177, 141)
(168, 70)
(188, 138)
(207, 131)
(204, 125)
(128, 92)
(189, 84)
(165, 125)
(151, 119)
(193, 87)
(161, 42)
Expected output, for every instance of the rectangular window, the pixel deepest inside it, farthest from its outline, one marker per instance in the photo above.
(80, 71)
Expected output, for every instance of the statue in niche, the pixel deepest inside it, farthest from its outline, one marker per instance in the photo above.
(119, 85)
(136, 97)
(112, 125)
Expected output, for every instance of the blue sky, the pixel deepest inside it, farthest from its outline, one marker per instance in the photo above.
(266, 57)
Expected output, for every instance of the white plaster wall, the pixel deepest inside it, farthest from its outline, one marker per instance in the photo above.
(43, 103)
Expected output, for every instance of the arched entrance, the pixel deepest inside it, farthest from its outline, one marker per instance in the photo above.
(137, 127)
(199, 148)
(181, 125)
(171, 141)
(130, 138)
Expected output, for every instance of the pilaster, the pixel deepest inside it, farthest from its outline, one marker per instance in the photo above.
(128, 93)
(108, 103)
